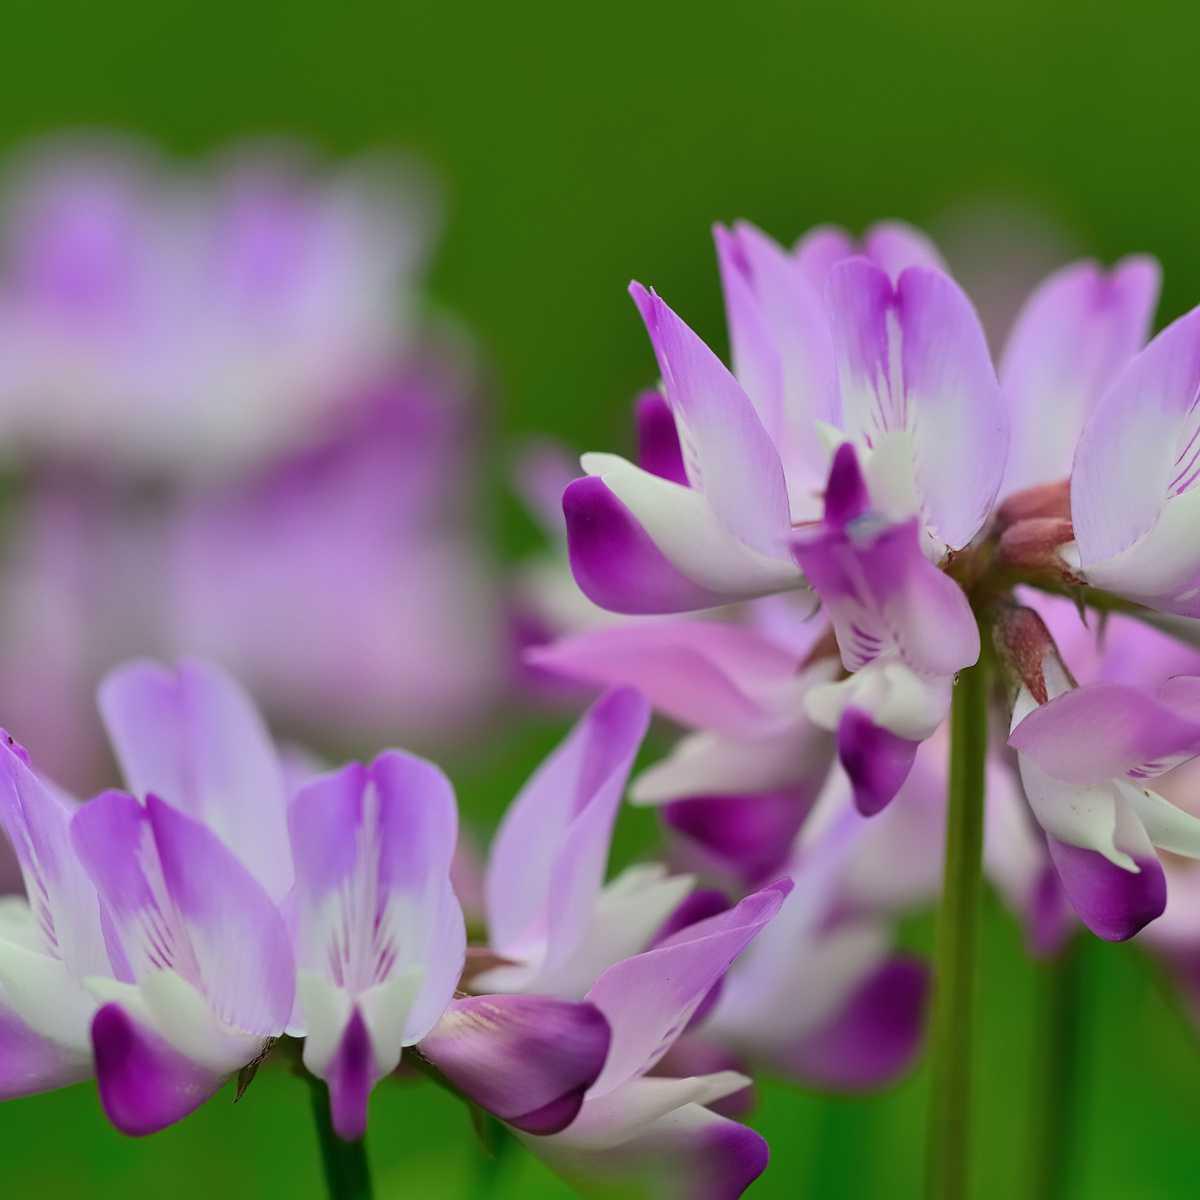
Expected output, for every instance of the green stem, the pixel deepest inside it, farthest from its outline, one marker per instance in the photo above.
(1055, 1074)
(957, 933)
(347, 1174)
(497, 1146)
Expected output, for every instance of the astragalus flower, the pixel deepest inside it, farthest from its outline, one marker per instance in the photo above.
(904, 628)
(1086, 755)
(243, 436)
(656, 1136)
(195, 321)
(149, 950)
(379, 934)
(159, 924)
(822, 996)
(1133, 487)
(899, 368)
(585, 968)
(50, 943)
(552, 920)
(173, 933)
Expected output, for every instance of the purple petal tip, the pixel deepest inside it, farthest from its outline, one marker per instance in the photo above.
(1113, 903)
(875, 759)
(350, 1080)
(144, 1084)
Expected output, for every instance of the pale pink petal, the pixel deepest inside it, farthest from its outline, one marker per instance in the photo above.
(1076, 332)
(548, 859)
(728, 453)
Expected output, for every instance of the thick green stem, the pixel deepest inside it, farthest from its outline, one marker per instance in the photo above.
(1055, 1076)
(347, 1174)
(948, 1146)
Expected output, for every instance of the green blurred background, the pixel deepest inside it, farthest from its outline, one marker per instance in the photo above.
(580, 146)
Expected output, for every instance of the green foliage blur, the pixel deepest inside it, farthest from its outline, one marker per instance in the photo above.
(581, 146)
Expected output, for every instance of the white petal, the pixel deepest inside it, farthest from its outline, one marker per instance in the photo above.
(1167, 826)
(1079, 816)
(325, 1008)
(626, 1111)
(628, 912)
(684, 527)
(385, 1009)
(43, 993)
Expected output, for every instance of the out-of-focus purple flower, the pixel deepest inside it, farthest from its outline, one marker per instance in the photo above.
(378, 932)
(822, 996)
(187, 322)
(247, 439)
(347, 585)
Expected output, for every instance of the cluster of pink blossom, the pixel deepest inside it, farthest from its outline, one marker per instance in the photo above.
(241, 441)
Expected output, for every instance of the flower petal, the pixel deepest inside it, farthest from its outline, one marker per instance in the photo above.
(782, 353)
(180, 902)
(527, 1059)
(31, 1063)
(145, 1085)
(881, 592)
(659, 451)
(1133, 491)
(1092, 734)
(373, 898)
(1112, 902)
(193, 737)
(875, 759)
(708, 674)
(729, 456)
(547, 861)
(37, 820)
(746, 836)
(639, 544)
(794, 756)
(623, 920)
(649, 999)
(41, 993)
(350, 1077)
(619, 1146)
(913, 361)
(874, 1038)
(1073, 336)
(895, 246)
(820, 250)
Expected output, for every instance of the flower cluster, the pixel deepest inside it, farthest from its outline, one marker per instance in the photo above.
(865, 459)
(264, 466)
(230, 905)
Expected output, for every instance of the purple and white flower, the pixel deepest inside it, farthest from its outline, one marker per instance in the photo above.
(378, 932)
(1086, 755)
(898, 367)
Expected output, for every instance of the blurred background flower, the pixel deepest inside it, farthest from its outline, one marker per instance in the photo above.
(236, 427)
